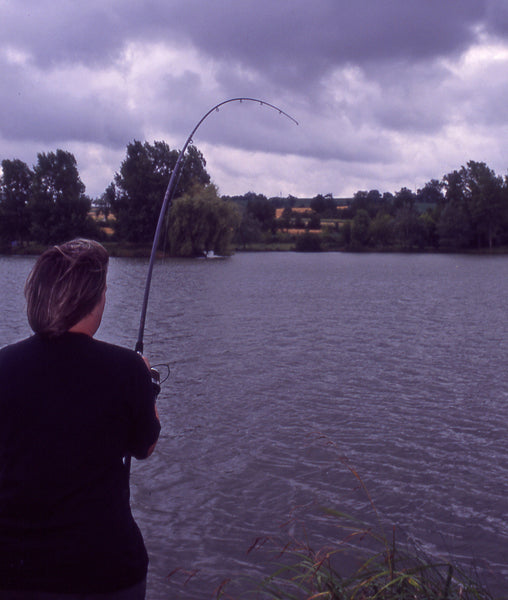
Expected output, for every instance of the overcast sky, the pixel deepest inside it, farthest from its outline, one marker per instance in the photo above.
(387, 93)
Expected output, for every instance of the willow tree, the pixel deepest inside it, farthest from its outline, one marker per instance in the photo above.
(201, 222)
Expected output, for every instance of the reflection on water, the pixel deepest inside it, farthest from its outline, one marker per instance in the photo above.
(399, 360)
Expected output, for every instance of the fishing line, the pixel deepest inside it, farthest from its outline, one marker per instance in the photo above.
(165, 374)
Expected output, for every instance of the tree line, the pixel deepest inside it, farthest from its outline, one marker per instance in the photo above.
(467, 209)
(46, 204)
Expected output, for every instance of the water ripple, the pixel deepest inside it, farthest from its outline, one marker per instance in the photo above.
(287, 371)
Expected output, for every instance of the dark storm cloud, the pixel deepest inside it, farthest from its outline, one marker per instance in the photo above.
(277, 48)
(367, 79)
(280, 48)
(497, 17)
(289, 40)
(298, 41)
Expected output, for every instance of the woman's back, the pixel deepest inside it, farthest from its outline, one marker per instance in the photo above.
(71, 408)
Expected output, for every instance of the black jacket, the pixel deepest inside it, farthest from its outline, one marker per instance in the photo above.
(70, 410)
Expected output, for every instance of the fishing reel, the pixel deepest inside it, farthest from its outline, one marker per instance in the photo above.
(155, 376)
(156, 381)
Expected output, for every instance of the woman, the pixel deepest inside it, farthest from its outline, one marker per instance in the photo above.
(71, 409)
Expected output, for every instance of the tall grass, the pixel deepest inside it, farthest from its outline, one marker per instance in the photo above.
(384, 570)
(365, 562)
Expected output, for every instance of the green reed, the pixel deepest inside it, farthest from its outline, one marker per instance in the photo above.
(392, 572)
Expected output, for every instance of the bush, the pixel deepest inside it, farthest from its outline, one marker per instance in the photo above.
(308, 242)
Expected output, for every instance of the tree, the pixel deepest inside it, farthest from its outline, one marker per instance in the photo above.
(286, 218)
(370, 201)
(431, 193)
(503, 237)
(58, 207)
(345, 231)
(314, 221)
(483, 191)
(308, 242)
(360, 202)
(298, 222)
(325, 206)
(454, 227)
(381, 229)
(291, 201)
(105, 203)
(201, 222)
(408, 228)
(15, 189)
(142, 182)
(428, 228)
(404, 198)
(261, 209)
(193, 171)
(249, 230)
(360, 229)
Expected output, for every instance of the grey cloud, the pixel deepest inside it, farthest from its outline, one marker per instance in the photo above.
(35, 109)
(497, 18)
(298, 39)
(354, 73)
(260, 129)
(287, 40)
(60, 32)
(412, 98)
(278, 48)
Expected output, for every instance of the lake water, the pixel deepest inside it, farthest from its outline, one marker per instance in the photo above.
(282, 366)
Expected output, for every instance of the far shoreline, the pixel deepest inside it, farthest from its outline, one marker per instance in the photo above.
(131, 250)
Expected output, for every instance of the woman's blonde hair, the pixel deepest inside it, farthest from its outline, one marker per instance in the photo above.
(65, 285)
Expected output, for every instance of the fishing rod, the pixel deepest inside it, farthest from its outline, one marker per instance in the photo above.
(168, 196)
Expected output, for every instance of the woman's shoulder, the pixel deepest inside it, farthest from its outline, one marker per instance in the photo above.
(118, 354)
(15, 357)
(19, 347)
